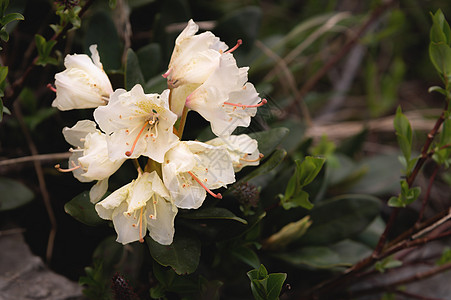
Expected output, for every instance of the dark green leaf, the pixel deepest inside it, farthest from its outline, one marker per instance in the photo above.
(182, 255)
(11, 17)
(3, 73)
(339, 218)
(300, 200)
(269, 164)
(213, 213)
(269, 140)
(102, 31)
(149, 58)
(133, 73)
(404, 135)
(13, 194)
(81, 209)
(246, 255)
(274, 285)
(3, 5)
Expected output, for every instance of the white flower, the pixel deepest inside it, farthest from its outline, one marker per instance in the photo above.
(137, 124)
(89, 160)
(226, 99)
(84, 83)
(144, 204)
(193, 60)
(193, 168)
(242, 149)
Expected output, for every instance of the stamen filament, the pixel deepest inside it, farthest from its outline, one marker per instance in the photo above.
(58, 167)
(218, 195)
(263, 102)
(238, 43)
(50, 87)
(260, 156)
(141, 240)
(129, 153)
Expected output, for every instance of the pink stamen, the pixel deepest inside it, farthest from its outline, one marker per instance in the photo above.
(263, 102)
(218, 195)
(141, 240)
(238, 43)
(58, 167)
(129, 153)
(50, 86)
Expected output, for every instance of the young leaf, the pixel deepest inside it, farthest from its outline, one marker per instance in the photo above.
(309, 169)
(11, 17)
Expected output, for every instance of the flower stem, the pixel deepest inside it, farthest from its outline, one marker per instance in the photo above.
(182, 122)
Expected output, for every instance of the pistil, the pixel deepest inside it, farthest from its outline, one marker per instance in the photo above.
(263, 102)
(218, 195)
(129, 153)
(58, 167)
(238, 43)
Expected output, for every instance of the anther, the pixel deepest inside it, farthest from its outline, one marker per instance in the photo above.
(58, 167)
(238, 43)
(50, 87)
(260, 156)
(218, 195)
(263, 102)
(129, 153)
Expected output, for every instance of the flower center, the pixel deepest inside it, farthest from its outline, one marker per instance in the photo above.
(218, 195)
(153, 122)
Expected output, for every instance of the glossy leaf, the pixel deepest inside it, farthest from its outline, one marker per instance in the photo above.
(11, 17)
(246, 255)
(13, 194)
(182, 255)
(149, 58)
(340, 218)
(102, 31)
(133, 74)
(81, 209)
(270, 139)
(217, 213)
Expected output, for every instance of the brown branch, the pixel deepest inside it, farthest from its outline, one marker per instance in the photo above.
(428, 192)
(32, 158)
(345, 50)
(394, 285)
(41, 180)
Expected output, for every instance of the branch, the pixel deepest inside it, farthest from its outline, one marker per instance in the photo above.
(33, 158)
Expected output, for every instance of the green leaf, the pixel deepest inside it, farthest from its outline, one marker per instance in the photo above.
(149, 58)
(11, 17)
(438, 89)
(133, 73)
(44, 50)
(246, 255)
(273, 161)
(339, 218)
(342, 254)
(102, 31)
(3, 73)
(440, 30)
(287, 234)
(81, 209)
(300, 200)
(13, 194)
(309, 169)
(3, 5)
(4, 34)
(387, 263)
(445, 258)
(218, 213)
(266, 286)
(182, 255)
(270, 139)
(440, 56)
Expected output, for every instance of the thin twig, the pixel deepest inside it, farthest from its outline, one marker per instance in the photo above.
(344, 50)
(428, 193)
(32, 158)
(41, 180)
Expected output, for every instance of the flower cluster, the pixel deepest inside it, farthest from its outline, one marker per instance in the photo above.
(202, 76)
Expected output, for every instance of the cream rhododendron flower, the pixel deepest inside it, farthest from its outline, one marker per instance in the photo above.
(137, 124)
(242, 149)
(89, 160)
(191, 169)
(226, 99)
(144, 204)
(84, 83)
(193, 60)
